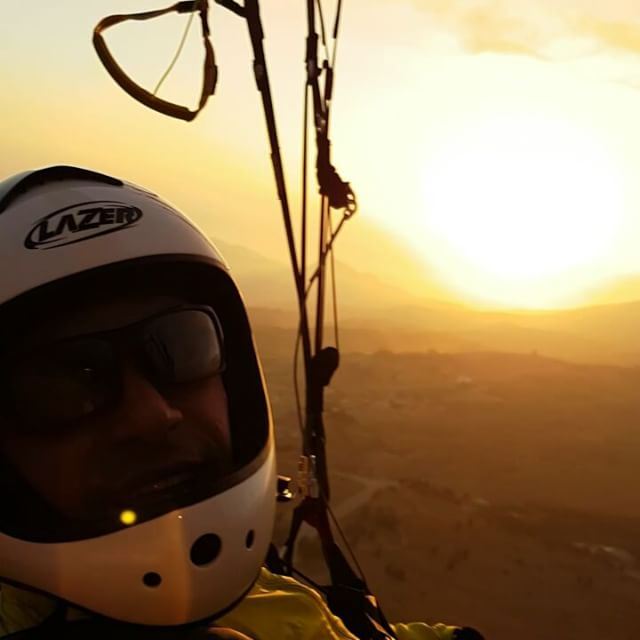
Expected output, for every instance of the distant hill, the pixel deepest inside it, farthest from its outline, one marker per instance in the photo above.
(621, 289)
(377, 315)
(269, 283)
(602, 334)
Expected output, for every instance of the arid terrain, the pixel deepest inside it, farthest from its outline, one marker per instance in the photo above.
(485, 464)
(496, 490)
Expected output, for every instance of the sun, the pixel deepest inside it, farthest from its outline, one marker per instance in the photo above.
(521, 208)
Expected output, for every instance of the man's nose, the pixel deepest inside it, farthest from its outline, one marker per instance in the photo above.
(143, 409)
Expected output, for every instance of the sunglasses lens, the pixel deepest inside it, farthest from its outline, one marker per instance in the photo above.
(65, 383)
(184, 346)
(74, 379)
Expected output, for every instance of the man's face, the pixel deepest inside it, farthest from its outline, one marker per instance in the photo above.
(144, 444)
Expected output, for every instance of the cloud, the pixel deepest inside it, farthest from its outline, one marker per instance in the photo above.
(532, 27)
(603, 36)
(485, 29)
(613, 34)
(493, 26)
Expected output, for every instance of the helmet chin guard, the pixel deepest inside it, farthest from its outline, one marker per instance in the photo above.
(65, 229)
(185, 566)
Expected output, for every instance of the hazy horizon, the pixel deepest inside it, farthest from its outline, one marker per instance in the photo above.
(244, 260)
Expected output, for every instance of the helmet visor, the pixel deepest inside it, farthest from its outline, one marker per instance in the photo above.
(82, 455)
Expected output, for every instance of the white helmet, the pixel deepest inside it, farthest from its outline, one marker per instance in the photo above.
(61, 226)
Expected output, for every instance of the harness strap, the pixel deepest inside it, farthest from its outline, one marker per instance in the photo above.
(348, 596)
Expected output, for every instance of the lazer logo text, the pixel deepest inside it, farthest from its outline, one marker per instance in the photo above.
(80, 222)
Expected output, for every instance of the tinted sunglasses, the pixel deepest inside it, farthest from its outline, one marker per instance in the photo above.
(72, 379)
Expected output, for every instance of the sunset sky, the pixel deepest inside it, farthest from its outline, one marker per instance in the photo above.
(495, 143)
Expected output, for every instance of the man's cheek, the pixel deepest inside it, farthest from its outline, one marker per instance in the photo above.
(61, 474)
(205, 405)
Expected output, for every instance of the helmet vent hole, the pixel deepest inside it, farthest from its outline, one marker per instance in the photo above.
(251, 537)
(152, 579)
(205, 549)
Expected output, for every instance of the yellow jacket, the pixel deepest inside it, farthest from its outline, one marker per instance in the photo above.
(281, 608)
(277, 608)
